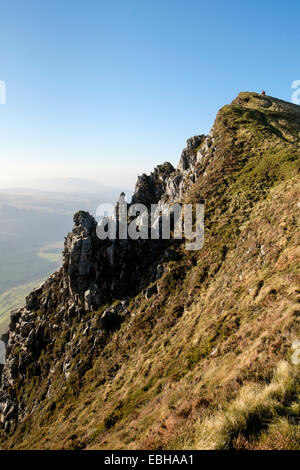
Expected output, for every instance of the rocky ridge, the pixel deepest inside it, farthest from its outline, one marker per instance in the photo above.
(111, 277)
(93, 273)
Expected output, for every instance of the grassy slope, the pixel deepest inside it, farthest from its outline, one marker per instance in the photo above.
(195, 365)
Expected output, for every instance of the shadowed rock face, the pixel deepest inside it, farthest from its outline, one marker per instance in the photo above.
(98, 281)
(2, 356)
(149, 189)
(93, 273)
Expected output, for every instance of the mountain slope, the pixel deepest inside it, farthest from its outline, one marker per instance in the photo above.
(147, 345)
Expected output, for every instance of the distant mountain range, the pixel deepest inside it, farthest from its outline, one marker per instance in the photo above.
(62, 196)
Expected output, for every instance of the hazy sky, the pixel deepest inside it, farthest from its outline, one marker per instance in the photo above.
(108, 89)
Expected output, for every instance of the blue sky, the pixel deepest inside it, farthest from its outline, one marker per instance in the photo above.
(108, 89)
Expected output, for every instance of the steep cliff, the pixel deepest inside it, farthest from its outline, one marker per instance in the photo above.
(143, 344)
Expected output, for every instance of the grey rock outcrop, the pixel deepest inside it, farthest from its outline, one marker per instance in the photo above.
(94, 273)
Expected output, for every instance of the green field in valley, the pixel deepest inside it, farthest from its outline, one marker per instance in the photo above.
(51, 252)
(20, 273)
(13, 298)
